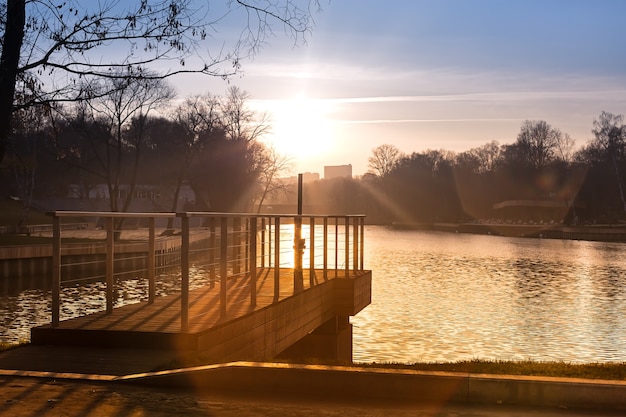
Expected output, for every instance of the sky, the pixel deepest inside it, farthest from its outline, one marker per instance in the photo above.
(440, 74)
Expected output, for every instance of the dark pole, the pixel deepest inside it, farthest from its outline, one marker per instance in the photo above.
(298, 244)
(299, 194)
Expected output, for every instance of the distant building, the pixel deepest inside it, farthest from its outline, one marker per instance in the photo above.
(140, 192)
(338, 171)
(310, 177)
(306, 178)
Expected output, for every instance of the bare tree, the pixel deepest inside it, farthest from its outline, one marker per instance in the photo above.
(384, 158)
(538, 143)
(200, 121)
(125, 113)
(238, 120)
(273, 166)
(226, 173)
(54, 49)
(610, 137)
(23, 152)
(565, 148)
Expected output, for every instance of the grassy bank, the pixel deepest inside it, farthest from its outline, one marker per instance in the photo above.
(610, 371)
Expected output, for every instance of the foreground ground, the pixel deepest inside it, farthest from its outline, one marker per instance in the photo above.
(20, 396)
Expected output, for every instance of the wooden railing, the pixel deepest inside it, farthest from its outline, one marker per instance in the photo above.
(223, 245)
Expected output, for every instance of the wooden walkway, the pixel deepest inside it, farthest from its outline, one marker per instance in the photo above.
(158, 325)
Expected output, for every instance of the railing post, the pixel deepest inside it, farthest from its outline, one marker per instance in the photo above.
(298, 250)
(325, 248)
(252, 260)
(56, 270)
(362, 263)
(336, 246)
(276, 258)
(223, 264)
(150, 260)
(236, 245)
(347, 244)
(212, 251)
(184, 269)
(355, 243)
(263, 242)
(311, 252)
(110, 259)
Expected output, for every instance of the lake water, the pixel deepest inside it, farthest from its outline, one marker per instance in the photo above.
(447, 297)
(441, 297)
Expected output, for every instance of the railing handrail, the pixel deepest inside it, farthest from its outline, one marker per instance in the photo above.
(234, 242)
(124, 214)
(282, 215)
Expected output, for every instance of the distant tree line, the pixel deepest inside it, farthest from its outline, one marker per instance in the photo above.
(80, 82)
(133, 137)
(541, 165)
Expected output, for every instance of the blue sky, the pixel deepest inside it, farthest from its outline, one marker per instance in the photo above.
(439, 74)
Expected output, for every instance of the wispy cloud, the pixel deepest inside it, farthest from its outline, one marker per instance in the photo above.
(389, 121)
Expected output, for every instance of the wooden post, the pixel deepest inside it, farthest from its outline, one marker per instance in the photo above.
(325, 248)
(362, 263)
(298, 250)
(355, 243)
(212, 251)
(246, 245)
(150, 260)
(311, 252)
(336, 245)
(184, 270)
(223, 264)
(298, 244)
(236, 245)
(347, 245)
(252, 261)
(56, 270)
(110, 259)
(276, 258)
(263, 242)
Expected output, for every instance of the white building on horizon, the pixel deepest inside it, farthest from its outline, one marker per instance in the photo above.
(337, 171)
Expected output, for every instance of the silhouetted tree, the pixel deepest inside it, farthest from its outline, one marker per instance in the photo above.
(273, 166)
(538, 143)
(606, 157)
(54, 50)
(225, 174)
(383, 159)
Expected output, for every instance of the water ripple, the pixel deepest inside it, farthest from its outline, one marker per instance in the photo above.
(443, 297)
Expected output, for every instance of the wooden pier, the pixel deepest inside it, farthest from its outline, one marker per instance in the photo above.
(254, 309)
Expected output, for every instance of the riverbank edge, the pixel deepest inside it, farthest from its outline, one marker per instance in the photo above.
(601, 233)
(354, 384)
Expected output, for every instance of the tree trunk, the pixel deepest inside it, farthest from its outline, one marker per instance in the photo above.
(9, 61)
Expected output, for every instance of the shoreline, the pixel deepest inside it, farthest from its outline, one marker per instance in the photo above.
(325, 386)
(599, 233)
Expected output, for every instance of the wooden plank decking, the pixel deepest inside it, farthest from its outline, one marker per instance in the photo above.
(269, 322)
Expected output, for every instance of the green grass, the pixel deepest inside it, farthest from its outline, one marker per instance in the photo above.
(11, 213)
(615, 371)
(610, 371)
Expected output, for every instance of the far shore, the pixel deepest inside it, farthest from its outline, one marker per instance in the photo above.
(604, 233)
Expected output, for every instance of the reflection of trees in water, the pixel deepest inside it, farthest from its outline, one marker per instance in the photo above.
(27, 302)
(536, 278)
(610, 282)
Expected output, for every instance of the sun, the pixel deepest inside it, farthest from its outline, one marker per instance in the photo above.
(301, 127)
